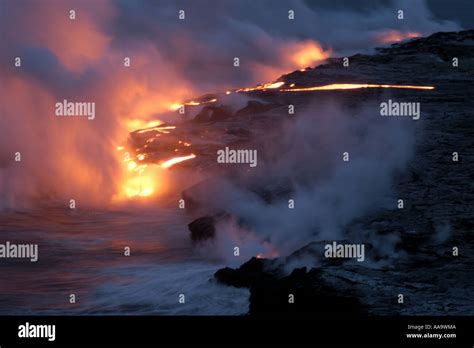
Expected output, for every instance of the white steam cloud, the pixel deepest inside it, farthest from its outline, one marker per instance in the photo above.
(328, 192)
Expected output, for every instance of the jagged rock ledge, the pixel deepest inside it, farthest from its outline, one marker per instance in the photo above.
(300, 292)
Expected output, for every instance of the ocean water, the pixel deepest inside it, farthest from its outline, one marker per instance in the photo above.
(82, 253)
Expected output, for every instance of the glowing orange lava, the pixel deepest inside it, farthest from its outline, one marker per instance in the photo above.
(163, 129)
(336, 86)
(273, 85)
(139, 179)
(169, 163)
(142, 180)
(139, 186)
(176, 106)
(134, 124)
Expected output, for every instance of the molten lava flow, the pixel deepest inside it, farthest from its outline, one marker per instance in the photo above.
(142, 176)
(139, 180)
(146, 156)
(134, 124)
(176, 106)
(337, 86)
(163, 129)
(142, 180)
(334, 86)
(273, 85)
(395, 36)
(169, 163)
(139, 186)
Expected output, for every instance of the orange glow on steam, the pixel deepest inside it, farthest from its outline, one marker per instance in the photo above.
(308, 53)
(396, 36)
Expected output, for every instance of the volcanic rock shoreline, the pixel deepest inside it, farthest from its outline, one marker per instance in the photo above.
(439, 194)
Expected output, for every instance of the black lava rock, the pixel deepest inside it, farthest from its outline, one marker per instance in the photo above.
(245, 275)
(302, 292)
(212, 114)
(254, 107)
(202, 229)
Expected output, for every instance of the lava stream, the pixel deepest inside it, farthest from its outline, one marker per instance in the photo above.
(273, 85)
(173, 161)
(336, 86)
(175, 107)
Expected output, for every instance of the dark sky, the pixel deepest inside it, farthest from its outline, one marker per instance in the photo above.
(460, 11)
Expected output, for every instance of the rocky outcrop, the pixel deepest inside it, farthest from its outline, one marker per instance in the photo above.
(202, 229)
(300, 291)
(212, 114)
(254, 107)
(247, 274)
(303, 292)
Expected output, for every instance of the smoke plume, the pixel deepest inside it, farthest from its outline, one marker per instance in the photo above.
(81, 59)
